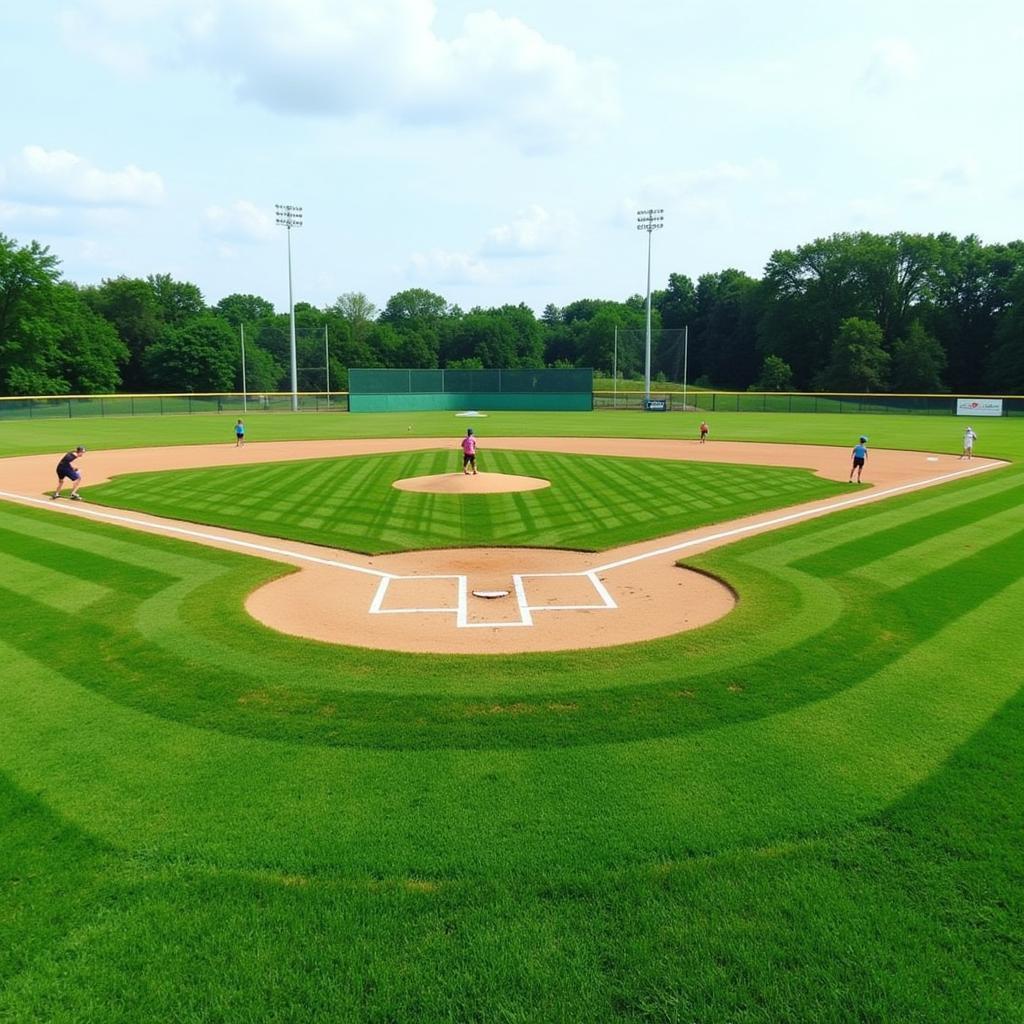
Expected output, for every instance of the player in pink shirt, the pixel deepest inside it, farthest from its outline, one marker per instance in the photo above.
(469, 452)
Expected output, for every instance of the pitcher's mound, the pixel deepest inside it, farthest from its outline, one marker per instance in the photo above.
(480, 483)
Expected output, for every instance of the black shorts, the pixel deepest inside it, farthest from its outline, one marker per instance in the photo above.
(468, 459)
(68, 473)
(858, 463)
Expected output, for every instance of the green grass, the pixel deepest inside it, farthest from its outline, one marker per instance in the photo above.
(999, 438)
(592, 504)
(810, 811)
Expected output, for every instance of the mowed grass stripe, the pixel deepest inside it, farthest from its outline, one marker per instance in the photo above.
(441, 812)
(282, 702)
(61, 591)
(593, 503)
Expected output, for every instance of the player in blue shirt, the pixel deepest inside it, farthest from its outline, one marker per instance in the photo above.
(860, 454)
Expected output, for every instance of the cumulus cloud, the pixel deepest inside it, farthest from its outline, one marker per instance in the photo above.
(242, 221)
(366, 56)
(534, 231)
(58, 176)
(892, 63)
(447, 267)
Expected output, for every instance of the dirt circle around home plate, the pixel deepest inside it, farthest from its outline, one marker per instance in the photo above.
(423, 601)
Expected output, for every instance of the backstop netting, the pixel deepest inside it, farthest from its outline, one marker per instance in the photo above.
(377, 390)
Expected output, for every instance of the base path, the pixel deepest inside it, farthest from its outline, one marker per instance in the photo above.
(424, 601)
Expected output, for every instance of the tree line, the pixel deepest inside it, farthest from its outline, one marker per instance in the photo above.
(851, 312)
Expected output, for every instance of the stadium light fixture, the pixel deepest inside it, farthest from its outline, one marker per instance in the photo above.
(291, 217)
(649, 221)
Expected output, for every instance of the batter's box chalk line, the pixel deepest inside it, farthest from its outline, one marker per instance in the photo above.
(604, 600)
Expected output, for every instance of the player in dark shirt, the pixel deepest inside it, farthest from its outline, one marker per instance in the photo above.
(66, 471)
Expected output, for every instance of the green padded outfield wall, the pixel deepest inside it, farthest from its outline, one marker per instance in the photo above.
(375, 390)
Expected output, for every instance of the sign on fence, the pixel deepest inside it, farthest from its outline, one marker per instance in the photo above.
(979, 407)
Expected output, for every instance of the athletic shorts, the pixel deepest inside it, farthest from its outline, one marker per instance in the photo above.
(858, 463)
(68, 473)
(467, 459)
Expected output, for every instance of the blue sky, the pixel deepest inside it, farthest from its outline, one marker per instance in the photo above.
(497, 153)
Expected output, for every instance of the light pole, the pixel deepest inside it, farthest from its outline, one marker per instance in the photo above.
(649, 221)
(291, 217)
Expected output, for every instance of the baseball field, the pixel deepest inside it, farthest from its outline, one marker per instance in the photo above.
(808, 806)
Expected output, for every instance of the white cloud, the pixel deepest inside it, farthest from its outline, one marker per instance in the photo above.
(60, 177)
(534, 231)
(367, 56)
(892, 63)
(242, 221)
(446, 267)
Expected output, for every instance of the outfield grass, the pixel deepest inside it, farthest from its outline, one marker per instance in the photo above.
(999, 438)
(809, 811)
(593, 503)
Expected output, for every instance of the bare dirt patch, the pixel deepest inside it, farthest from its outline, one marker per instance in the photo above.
(471, 483)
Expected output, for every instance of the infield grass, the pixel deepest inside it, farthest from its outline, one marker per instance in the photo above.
(593, 502)
(810, 811)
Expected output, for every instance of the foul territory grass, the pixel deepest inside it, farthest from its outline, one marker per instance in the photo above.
(810, 811)
(593, 503)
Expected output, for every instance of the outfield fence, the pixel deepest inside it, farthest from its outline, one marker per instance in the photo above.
(235, 404)
(81, 406)
(784, 401)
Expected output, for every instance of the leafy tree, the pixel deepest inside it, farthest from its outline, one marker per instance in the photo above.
(29, 354)
(90, 352)
(859, 363)
(201, 355)
(130, 304)
(730, 306)
(240, 309)
(918, 362)
(178, 301)
(1005, 372)
(776, 375)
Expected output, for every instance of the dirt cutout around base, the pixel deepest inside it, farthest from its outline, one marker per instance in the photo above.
(423, 601)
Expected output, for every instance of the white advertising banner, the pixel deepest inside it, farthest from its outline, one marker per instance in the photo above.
(979, 407)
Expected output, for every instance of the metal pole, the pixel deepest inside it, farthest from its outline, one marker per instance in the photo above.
(290, 217)
(241, 328)
(649, 221)
(686, 353)
(327, 366)
(615, 370)
(647, 345)
(291, 329)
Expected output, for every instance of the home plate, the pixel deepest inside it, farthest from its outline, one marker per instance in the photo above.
(490, 594)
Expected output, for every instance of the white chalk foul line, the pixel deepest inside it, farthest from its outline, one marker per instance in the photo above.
(181, 531)
(526, 610)
(793, 517)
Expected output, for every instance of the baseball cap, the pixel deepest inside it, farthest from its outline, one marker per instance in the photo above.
(862, 438)
(80, 448)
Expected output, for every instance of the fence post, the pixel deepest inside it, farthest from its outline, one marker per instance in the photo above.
(69, 408)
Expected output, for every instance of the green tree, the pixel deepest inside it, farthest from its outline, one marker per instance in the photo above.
(240, 309)
(29, 338)
(776, 375)
(178, 301)
(918, 362)
(859, 362)
(90, 352)
(131, 306)
(201, 355)
(417, 317)
(1005, 370)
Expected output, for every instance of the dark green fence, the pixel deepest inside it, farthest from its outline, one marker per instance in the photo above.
(380, 390)
(771, 401)
(81, 406)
